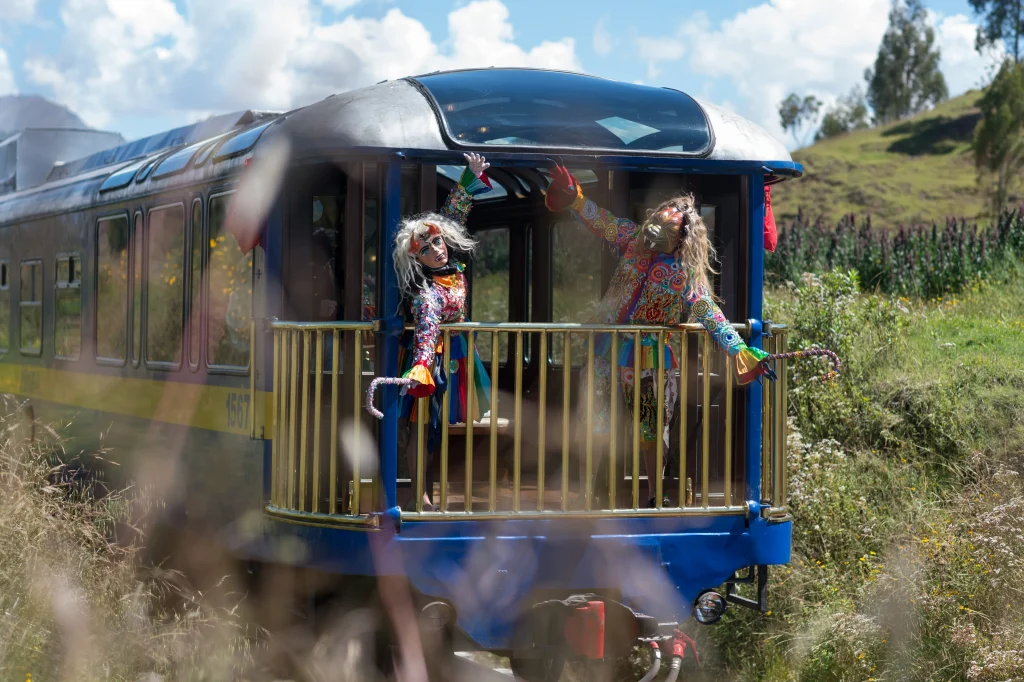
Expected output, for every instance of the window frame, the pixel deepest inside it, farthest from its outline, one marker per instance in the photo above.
(23, 303)
(164, 365)
(136, 248)
(100, 359)
(5, 286)
(71, 283)
(195, 362)
(233, 370)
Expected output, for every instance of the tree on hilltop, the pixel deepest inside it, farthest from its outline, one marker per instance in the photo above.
(798, 116)
(906, 78)
(850, 112)
(1003, 21)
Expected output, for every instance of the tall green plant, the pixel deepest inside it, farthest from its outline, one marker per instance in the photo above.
(999, 137)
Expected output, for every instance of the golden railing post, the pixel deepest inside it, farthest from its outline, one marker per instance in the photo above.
(275, 443)
(542, 404)
(292, 442)
(470, 409)
(706, 426)
(317, 414)
(518, 426)
(784, 406)
(685, 496)
(304, 438)
(613, 409)
(659, 443)
(492, 500)
(566, 380)
(356, 370)
(422, 413)
(780, 431)
(637, 350)
(767, 477)
(446, 401)
(727, 497)
(589, 466)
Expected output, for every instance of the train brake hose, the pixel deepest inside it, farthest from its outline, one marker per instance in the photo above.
(653, 672)
(811, 353)
(394, 381)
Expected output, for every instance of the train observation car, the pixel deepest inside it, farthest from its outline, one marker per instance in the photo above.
(228, 382)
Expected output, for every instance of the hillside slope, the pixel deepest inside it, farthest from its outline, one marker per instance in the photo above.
(18, 112)
(917, 170)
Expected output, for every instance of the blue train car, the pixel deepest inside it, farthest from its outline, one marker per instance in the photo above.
(233, 384)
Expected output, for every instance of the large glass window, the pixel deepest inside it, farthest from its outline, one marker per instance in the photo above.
(575, 283)
(137, 291)
(67, 316)
(229, 292)
(112, 288)
(5, 307)
(489, 290)
(529, 108)
(31, 306)
(165, 283)
(195, 284)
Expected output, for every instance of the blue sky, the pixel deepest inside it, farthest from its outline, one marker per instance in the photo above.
(140, 66)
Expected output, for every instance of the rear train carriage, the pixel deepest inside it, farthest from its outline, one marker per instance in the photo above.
(228, 382)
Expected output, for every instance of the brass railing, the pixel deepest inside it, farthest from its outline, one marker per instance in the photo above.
(529, 426)
(312, 394)
(773, 435)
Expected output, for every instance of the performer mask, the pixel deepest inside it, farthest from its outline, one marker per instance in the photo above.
(431, 251)
(665, 229)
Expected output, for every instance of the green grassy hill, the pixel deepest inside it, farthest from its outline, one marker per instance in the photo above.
(920, 169)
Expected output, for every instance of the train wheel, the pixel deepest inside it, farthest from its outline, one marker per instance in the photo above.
(530, 669)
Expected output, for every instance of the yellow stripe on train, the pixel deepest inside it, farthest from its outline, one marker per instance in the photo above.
(217, 408)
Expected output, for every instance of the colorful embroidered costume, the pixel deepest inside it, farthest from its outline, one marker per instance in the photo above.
(442, 299)
(649, 288)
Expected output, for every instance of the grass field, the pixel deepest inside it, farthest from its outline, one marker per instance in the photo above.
(920, 169)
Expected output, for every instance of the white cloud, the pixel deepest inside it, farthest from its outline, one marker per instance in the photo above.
(658, 50)
(143, 58)
(603, 41)
(17, 10)
(962, 65)
(6, 77)
(341, 5)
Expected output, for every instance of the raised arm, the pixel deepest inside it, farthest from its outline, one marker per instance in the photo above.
(474, 181)
(426, 313)
(704, 310)
(565, 193)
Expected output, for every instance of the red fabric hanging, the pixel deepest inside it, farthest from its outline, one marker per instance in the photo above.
(771, 236)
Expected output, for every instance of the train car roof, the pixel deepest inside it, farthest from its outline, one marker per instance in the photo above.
(495, 111)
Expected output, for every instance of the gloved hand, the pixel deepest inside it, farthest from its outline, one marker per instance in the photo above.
(563, 190)
(752, 363)
(477, 163)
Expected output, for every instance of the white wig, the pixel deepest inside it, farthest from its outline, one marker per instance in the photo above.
(409, 269)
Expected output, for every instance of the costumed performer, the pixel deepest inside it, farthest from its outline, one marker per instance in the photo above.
(430, 254)
(662, 278)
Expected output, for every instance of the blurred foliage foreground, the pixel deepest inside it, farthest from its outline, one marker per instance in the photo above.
(908, 548)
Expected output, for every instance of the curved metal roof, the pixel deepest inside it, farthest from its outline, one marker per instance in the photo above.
(406, 115)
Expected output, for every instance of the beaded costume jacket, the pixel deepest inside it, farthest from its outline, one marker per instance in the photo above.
(650, 288)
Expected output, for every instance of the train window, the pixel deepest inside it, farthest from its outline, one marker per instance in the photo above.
(242, 142)
(30, 305)
(165, 281)
(489, 289)
(526, 108)
(575, 282)
(121, 178)
(112, 289)
(137, 290)
(5, 308)
(67, 315)
(195, 284)
(228, 292)
(176, 162)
